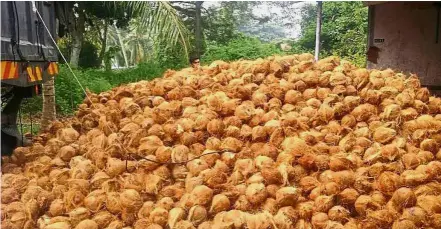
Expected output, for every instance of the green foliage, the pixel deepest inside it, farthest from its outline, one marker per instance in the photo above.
(344, 30)
(242, 47)
(89, 56)
(108, 55)
(170, 57)
(110, 11)
(220, 25)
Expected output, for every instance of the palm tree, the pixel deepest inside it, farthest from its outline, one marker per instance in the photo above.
(161, 22)
(138, 42)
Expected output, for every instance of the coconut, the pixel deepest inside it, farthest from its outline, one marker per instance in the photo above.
(242, 204)
(271, 175)
(323, 203)
(403, 224)
(384, 134)
(325, 113)
(197, 214)
(57, 208)
(259, 220)
(9, 195)
(95, 200)
(256, 193)
(231, 144)
(382, 218)
(148, 145)
(348, 196)
(77, 215)
(86, 224)
(175, 215)
(319, 220)
(430, 145)
(330, 188)
(303, 224)
(364, 111)
(215, 127)
(410, 160)
(116, 224)
(425, 157)
(436, 220)
(58, 225)
(287, 196)
(388, 182)
(416, 215)
(201, 195)
(430, 203)
(130, 199)
(282, 220)
(414, 177)
(103, 218)
(113, 202)
(270, 206)
(159, 216)
(258, 133)
(220, 203)
(338, 213)
(144, 223)
(404, 197)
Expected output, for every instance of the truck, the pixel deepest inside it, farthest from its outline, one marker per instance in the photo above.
(29, 58)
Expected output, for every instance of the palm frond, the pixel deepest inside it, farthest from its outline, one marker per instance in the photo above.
(161, 21)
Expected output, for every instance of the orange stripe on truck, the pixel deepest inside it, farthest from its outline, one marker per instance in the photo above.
(30, 74)
(55, 67)
(3, 68)
(38, 73)
(13, 71)
(6, 65)
(50, 69)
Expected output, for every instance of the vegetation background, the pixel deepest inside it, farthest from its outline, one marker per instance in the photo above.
(132, 41)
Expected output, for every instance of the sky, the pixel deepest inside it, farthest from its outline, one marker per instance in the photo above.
(265, 9)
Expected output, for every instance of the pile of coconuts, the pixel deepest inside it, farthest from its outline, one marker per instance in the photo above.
(282, 142)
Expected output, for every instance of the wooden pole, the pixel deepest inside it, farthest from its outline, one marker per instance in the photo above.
(318, 30)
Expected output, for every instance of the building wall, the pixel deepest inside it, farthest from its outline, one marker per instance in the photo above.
(409, 33)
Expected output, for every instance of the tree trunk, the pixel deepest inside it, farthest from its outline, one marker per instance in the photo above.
(77, 32)
(103, 40)
(123, 48)
(49, 113)
(318, 30)
(198, 29)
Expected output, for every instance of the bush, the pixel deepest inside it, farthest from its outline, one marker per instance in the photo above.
(242, 47)
(88, 56)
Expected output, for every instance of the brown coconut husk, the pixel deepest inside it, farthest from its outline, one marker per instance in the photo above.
(197, 214)
(159, 216)
(416, 215)
(324, 203)
(103, 218)
(430, 203)
(77, 215)
(220, 203)
(388, 182)
(287, 196)
(95, 200)
(85, 224)
(319, 220)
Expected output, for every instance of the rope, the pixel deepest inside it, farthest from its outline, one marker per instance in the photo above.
(21, 127)
(30, 117)
(183, 162)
